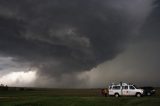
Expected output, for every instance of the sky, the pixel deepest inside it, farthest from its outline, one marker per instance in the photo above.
(79, 43)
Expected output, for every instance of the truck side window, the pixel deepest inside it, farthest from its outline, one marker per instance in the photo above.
(131, 87)
(125, 87)
(116, 87)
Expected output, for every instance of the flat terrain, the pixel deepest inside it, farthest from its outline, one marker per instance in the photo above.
(71, 97)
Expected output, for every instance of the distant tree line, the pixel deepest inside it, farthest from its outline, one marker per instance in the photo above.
(3, 87)
(6, 88)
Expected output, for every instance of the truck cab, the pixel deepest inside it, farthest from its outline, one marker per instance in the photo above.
(124, 89)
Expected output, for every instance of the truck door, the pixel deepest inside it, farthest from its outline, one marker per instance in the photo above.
(131, 90)
(125, 90)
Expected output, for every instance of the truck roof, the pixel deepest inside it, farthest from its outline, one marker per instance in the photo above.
(120, 84)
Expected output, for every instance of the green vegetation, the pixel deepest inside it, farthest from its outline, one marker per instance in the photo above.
(70, 97)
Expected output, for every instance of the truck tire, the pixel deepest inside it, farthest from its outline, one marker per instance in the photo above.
(148, 94)
(116, 95)
(138, 95)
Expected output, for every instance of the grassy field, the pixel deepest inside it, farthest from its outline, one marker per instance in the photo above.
(71, 97)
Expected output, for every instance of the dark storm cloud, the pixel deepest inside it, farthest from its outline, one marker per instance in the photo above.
(60, 37)
(151, 30)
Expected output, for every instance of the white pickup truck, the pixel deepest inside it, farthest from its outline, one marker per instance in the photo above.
(124, 89)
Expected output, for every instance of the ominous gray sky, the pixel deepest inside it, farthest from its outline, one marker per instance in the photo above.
(79, 43)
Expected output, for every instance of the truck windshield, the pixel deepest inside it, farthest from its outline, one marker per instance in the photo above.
(135, 86)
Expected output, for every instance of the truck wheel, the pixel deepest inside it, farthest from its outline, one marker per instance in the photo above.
(116, 95)
(148, 94)
(138, 94)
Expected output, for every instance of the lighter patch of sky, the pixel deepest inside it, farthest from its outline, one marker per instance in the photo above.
(18, 78)
(13, 73)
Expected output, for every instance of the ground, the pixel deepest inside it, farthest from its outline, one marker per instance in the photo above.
(71, 97)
